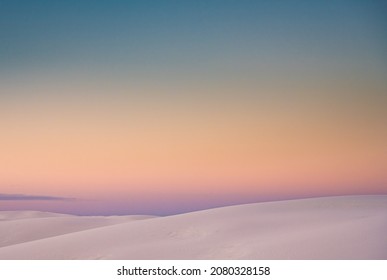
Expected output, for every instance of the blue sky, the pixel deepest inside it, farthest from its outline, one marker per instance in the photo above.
(177, 34)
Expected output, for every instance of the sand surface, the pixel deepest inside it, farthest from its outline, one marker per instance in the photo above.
(345, 227)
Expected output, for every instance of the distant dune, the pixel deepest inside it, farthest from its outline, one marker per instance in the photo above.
(345, 227)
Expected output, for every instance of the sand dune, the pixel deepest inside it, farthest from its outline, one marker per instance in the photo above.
(29, 226)
(18, 215)
(347, 227)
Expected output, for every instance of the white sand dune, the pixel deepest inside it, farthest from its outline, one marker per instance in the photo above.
(20, 227)
(18, 215)
(346, 227)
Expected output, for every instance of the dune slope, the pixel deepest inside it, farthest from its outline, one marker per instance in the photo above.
(347, 227)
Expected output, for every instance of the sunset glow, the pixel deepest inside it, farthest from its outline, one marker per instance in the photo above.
(169, 107)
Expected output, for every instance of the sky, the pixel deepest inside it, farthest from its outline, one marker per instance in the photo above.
(164, 107)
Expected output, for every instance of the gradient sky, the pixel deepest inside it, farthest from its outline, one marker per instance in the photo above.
(161, 107)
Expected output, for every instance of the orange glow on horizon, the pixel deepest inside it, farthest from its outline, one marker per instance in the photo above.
(126, 145)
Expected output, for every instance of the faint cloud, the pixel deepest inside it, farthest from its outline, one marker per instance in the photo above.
(30, 197)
